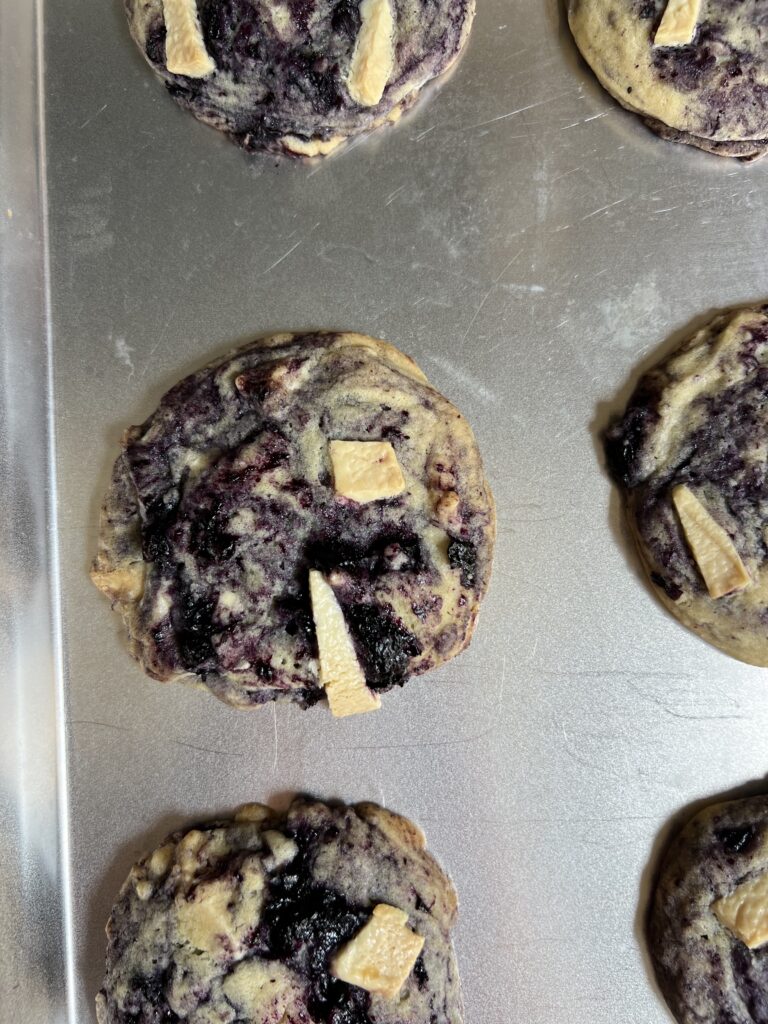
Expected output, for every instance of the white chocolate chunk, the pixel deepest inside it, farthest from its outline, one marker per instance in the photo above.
(282, 849)
(205, 919)
(745, 912)
(340, 671)
(253, 813)
(678, 24)
(374, 54)
(144, 889)
(217, 914)
(312, 147)
(161, 860)
(718, 560)
(187, 852)
(366, 470)
(185, 52)
(381, 955)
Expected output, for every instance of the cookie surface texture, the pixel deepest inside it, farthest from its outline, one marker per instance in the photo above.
(241, 920)
(299, 77)
(711, 92)
(690, 457)
(706, 971)
(225, 499)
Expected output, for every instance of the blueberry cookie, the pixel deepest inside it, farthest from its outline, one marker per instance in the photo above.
(299, 76)
(305, 517)
(325, 915)
(708, 926)
(690, 456)
(695, 70)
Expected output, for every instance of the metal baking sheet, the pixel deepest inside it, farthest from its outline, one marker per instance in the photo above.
(533, 247)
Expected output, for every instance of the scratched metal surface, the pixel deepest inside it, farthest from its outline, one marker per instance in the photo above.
(532, 246)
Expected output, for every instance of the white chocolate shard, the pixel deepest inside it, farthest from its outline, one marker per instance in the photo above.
(718, 560)
(366, 470)
(185, 52)
(678, 23)
(374, 54)
(340, 672)
(382, 954)
(312, 147)
(745, 911)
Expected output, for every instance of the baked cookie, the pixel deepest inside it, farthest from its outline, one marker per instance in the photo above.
(300, 76)
(708, 927)
(690, 456)
(305, 517)
(325, 915)
(696, 71)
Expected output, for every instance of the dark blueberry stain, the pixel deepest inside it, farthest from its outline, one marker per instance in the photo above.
(462, 555)
(272, 452)
(260, 132)
(401, 554)
(391, 551)
(750, 972)
(193, 627)
(152, 987)
(420, 973)
(301, 490)
(686, 67)
(302, 925)
(161, 634)
(147, 1003)
(624, 440)
(255, 383)
(301, 12)
(231, 34)
(311, 697)
(673, 592)
(209, 540)
(245, 43)
(323, 88)
(154, 45)
(384, 646)
(327, 553)
(345, 18)
(159, 517)
(296, 612)
(186, 90)
(737, 840)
